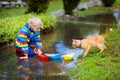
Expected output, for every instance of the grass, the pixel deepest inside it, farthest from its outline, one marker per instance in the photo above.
(12, 12)
(104, 66)
(94, 11)
(117, 3)
(97, 10)
(54, 6)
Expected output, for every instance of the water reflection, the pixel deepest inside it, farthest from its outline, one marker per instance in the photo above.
(102, 19)
(61, 48)
(117, 16)
(32, 68)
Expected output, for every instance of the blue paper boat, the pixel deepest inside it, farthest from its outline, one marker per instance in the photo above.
(57, 60)
(54, 56)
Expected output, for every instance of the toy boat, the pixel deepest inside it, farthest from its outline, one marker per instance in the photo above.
(44, 58)
(68, 56)
(54, 56)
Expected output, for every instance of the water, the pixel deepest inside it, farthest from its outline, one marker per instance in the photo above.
(58, 41)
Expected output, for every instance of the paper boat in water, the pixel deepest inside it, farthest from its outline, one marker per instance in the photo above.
(44, 58)
(68, 56)
(54, 56)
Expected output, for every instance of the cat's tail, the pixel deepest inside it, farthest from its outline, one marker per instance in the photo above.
(108, 33)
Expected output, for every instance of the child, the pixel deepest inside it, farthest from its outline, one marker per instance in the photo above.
(28, 41)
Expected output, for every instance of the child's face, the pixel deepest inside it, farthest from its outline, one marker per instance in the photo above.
(36, 28)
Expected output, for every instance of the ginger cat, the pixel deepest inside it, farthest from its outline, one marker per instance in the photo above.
(93, 41)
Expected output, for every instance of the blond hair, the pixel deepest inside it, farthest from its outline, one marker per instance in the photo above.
(35, 22)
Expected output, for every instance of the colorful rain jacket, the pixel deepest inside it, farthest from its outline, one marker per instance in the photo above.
(27, 38)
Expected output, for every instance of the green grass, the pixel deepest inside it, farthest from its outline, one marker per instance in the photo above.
(100, 66)
(83, 1)
(93, 11)
(12, 12)
(117, 3)
(55, 6)
(97, 10)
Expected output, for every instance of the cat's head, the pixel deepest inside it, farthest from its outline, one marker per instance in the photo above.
(75, 43)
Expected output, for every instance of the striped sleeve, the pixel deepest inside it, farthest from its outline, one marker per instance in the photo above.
(22, 42)
(38, 42)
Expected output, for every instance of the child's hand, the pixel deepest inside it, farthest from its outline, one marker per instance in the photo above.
(38, 52)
